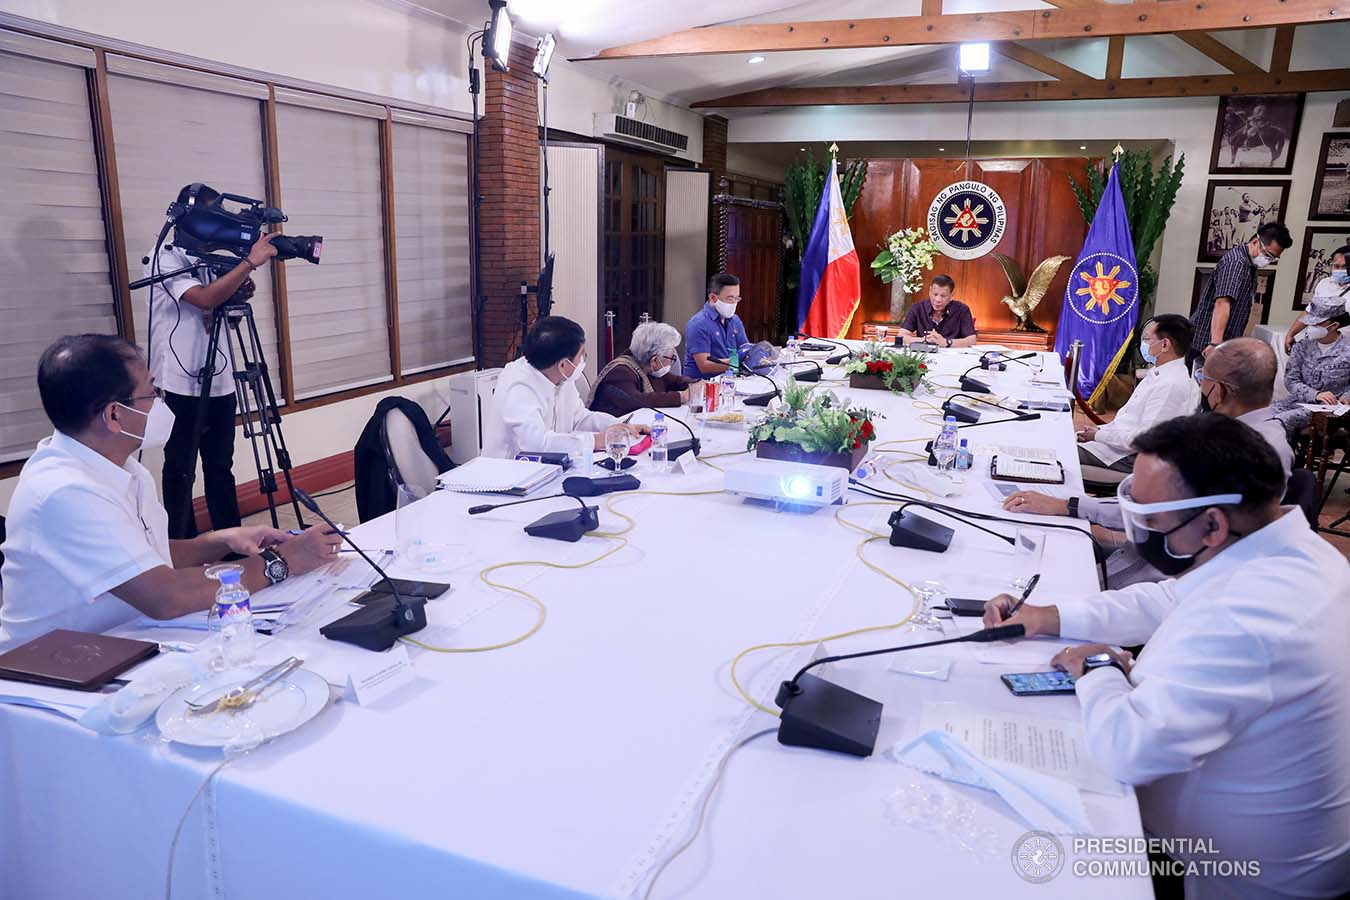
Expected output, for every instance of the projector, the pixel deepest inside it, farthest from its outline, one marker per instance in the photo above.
(787, 483)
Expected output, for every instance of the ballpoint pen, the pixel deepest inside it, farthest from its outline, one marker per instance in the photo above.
(1031, 586)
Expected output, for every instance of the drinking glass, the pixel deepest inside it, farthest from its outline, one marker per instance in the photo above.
(932, 595)
(617, 442)
(1029, 550)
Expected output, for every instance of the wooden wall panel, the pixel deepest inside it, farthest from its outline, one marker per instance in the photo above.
(1043, 220)
(754, 242)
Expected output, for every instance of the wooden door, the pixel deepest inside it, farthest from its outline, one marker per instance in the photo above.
(634, 257)
(753, 247)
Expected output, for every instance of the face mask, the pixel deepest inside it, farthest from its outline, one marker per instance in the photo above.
(1261, 261)
(158, 425)
(1316, 332)
(1152, 545)
(1341, 276)
(724, 309)
(1155, 552)
(577, 370)
(1149, 357)
(661, 372)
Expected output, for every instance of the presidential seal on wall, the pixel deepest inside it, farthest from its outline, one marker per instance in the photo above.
(967, 220)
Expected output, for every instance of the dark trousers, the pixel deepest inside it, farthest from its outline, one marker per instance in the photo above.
(216, 450)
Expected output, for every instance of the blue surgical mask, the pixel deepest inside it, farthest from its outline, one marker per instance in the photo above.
(1147, 354)
(1340, 276)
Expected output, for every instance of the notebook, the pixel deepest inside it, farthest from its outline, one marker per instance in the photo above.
(1031, 471)
(74, 659)
(486, 475)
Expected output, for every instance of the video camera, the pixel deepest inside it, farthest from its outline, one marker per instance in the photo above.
(202, 225)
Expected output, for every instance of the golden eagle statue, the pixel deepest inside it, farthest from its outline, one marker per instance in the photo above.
(1027, 292)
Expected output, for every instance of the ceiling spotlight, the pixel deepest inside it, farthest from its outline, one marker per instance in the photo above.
(803, 149)
(755, 60)
(974, 58)
(497, 37)
(543, 55)
(942, 149)
(1082, 146)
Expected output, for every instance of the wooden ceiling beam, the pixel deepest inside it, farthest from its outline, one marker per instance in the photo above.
(1284, 46)
(932, 7)
(1104, 20)
(1019, 53)
(1220, 52)
(1115, 57)
(1089, 89)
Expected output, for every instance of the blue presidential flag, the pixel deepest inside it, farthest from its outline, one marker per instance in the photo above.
(1101, 303)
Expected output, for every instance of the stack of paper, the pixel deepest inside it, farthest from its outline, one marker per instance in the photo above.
(484, 475)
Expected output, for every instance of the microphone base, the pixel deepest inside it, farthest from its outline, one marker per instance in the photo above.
(676, 449)
(917, 533)
(577, 486)
(378, 624)
(819, 714)
(566, 525)
(960, 413)
(760, 399)
(808, 375)
(972, 386)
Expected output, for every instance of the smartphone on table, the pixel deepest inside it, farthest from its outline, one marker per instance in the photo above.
(1039, 684)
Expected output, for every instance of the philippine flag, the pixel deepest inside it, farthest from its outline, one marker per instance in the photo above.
(830, 289)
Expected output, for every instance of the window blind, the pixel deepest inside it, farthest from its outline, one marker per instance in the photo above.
(338, 312)
(54, 265)
(431, 234)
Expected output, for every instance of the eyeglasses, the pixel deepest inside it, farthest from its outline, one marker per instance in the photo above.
(1203, 378)
(157, 395)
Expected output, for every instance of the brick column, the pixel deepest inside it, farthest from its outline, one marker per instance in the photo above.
(509, 182)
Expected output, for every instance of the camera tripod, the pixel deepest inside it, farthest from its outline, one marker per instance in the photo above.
(254, 397)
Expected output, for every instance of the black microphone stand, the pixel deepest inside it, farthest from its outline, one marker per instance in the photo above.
(564, 525)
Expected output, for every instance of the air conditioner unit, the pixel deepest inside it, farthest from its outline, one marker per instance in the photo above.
(640, 134)
(471, 396)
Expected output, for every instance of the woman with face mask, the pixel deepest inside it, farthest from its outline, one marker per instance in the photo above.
(537, 405)
(1330, 297)
(1318, 372)
(643, 376)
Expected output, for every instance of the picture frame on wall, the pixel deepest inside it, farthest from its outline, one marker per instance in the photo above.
(1331, 185)
(1234, 210)
(1315, 262)
(1256, 135)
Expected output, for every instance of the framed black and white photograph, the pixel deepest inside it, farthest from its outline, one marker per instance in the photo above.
(1234, 210)
(1256, 135)
(1315, 264)
(1331, 189)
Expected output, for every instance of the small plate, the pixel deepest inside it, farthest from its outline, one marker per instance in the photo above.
(284, 706)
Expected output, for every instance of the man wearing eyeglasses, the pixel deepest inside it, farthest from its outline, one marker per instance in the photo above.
(1234, 720)
(1226, 303)
(87, 544)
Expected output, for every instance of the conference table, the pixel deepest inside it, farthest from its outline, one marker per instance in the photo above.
(574, 762)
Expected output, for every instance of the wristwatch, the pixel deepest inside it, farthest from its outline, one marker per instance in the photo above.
(1073, 507)
(1102, 661)
(275, 567)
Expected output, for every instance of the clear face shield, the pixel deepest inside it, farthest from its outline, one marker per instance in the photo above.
(1148, 525)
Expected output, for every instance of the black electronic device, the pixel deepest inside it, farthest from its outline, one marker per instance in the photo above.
(203, 225)
(965, 606)
(819, 714)
(914, 531)
(577, 486)
(817, 347)
(974, 385)
(960, 413)
(1039, 684)
(997, 361)
(809, 347)
(565, 525)
(759, 399)
(377, 625)
(812, 374)
(676, 449)
(548, 457)
(407, 588)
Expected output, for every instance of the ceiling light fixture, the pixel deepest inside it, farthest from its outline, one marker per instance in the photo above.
(974, 58)
(942, 149)
(1082, 146)
(543, 55)
(755, 60)
(497, 38)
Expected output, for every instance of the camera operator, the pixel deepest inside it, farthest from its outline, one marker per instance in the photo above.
(180, 310)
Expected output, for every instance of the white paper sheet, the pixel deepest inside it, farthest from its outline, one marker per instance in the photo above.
(1054, 747)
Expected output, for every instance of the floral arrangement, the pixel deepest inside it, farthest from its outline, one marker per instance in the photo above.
(816, 422)
(899, 370)
(908, 252)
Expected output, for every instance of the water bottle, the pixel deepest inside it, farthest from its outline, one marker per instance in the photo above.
(231, 622)
(964, 458)
(867, 470)
(944, 448)
(659, 456)
(726, 389)
(792, 350)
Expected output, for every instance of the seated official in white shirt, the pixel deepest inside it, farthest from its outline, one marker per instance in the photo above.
(537, 405)
(1167, 390)
(87, 544)
(1234, 721)
(1238, 381)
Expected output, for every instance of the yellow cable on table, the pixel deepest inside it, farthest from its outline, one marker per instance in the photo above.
(617, 536)
(870, 537)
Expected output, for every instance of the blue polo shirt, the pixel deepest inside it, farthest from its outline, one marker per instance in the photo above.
(708, 333)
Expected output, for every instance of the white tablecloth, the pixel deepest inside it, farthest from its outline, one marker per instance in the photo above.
(570, 764)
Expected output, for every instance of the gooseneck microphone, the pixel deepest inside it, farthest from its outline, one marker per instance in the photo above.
(759, 399)
(817, 713)
(564, 525)
(972, 384)
(998, 358)
(838, 357)
(676, 449)
(379, 623)
(804, 376)
(971, 417)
